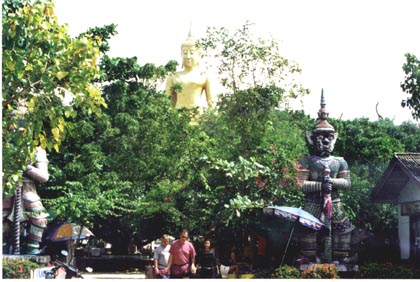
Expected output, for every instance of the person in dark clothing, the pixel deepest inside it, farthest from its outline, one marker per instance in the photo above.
(206, 261)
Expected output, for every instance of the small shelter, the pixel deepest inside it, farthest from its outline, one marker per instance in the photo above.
(400, 185)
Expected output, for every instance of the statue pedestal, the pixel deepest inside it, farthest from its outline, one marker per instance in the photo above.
(342, 267)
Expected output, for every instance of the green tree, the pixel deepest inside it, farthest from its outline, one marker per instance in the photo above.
(361, 209)
(121, 172)
(154, 172)
(411, 85)
(245, 62)
(366, 141)
(408, 132)
(251, 163)
(46, 76)
(243, 164)
(241, 160)
(247, 114)
(369, 146)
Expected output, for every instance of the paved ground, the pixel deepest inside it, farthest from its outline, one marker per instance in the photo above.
(95, 276)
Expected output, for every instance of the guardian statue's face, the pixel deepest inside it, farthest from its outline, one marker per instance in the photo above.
(324, 142)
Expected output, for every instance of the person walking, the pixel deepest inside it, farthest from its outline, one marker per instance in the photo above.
(161, 258)
(182, 252)
(206, 261)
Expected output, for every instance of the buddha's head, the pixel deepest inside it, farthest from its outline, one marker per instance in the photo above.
(190, 51)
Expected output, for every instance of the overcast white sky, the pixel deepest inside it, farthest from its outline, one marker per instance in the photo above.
(353, 49)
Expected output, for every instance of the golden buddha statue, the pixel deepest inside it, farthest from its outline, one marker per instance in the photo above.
(186, 87)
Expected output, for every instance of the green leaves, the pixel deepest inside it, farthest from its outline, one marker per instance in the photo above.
(411, 85)
(61, 74)
(245, 62)
(242, 170)
(366, 141)
(46, 72)
(241, 203)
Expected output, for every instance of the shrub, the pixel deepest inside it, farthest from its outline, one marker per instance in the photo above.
(319, 271)
(18, 269)
(385, 270)
(286, 272)
(263, 273)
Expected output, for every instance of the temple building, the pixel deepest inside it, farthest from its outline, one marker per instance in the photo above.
(400, 185)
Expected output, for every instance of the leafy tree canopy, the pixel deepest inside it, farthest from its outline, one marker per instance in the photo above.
(366, 141)
(125, 166)
(47, 75)
(411, 85)
(245, 62)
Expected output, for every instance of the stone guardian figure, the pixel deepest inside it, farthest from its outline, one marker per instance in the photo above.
(322, 176)
(24, 215)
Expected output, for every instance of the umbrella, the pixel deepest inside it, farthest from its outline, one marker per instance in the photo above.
(68, 231)
(295, 215)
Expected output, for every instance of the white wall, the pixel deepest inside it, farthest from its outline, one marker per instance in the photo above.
(410, 193)
(404, 235)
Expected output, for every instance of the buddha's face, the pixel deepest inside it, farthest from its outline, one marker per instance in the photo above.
(190, 56)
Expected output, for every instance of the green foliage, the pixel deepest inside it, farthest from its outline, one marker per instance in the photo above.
(286, 272)
(411, 85)
(247, 113)
(249, 162)
(141, 169)
(176, 87)
(367, 142)
(408, 133)
(368, 148)
(128, 68)
(128, 165)
(244, 62)
(101, 35)
(385, 270)
(359, 206)
(286, 131)
(46, 80)
(17, 269)
(158, 210)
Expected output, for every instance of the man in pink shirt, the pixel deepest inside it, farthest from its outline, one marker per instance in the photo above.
(180, 254)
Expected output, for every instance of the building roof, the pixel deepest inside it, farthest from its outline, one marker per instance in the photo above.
(402, 168)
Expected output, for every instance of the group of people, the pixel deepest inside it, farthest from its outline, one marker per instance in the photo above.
(180, 260)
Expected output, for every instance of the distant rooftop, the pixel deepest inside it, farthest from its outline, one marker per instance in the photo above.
(402, 168)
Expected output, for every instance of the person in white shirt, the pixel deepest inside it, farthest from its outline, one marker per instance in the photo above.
(161, 258)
